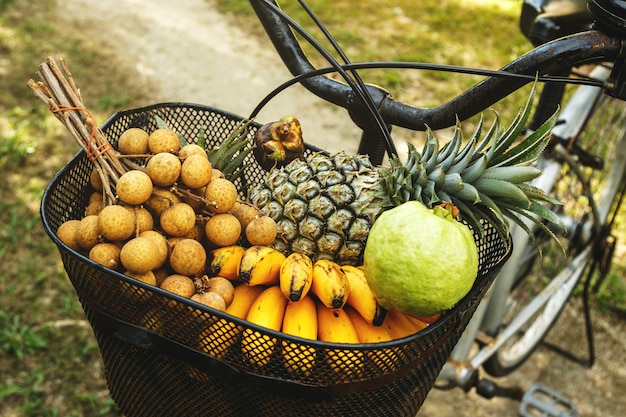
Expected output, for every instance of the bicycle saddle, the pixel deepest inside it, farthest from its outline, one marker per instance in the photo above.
(544, 20)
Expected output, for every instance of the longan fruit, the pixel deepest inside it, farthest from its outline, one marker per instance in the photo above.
(196, 171)
(210, 299)
(197, 204)
(143, 219)
(192, 149)
(146, 277)
(221, 194)
(223, 229)
(94, 207)
(95, 197)
(139, 255)
(87, 234)
(188, 257)
(67, 234)
(221, 286)
(261, 231)
(162, 247)
(160, 274)
(134, 187)
(95, 180)
(116, 223)
(180, 285)
(196, 233)
(160, 200)
(163, 169)
(133, 141)
(178, 220)
(245, 213)
(163, 140)
(216, 173)
(106, 254)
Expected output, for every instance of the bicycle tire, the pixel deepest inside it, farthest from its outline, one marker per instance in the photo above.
(604, 136)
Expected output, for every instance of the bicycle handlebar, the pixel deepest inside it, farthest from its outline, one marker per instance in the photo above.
(550, 58)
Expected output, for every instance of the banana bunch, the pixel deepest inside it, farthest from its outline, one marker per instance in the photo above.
(306, 300)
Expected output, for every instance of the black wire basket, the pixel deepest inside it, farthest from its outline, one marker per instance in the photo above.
(159, 358)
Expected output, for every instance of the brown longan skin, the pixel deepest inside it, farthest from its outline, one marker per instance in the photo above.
(221, 286)
(223, 230)
(178, 220)
(196, 171)
(95, 180)
(261, 231)
(163, 140)
(133, 141)
(142, 218)
(139, 255)
(87, 234)
(134, 187)
(163, 169)
(188, 257)
(116, 223)
(106, 254)
(162, 247)
(67, 233)
(245, 213)
(210, 299)
(146, 277)
(221, 195)
(192, 149)
(160, 200)
(180, 285)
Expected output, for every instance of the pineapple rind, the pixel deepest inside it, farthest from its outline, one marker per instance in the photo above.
(341, 195)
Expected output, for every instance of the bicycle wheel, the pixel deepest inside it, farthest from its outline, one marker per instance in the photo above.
(592, 166)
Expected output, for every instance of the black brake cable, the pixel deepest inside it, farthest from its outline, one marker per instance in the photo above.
(359, 89)
(421, 66)
(369, 101)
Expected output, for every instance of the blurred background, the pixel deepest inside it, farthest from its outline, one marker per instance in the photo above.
(124, 55)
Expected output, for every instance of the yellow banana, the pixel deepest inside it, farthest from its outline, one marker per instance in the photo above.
(225, 262)
(417, 322)
(300, 320)
(296, 276)
(366, 331)
(268, 311)
(260, 265)
(399, 325)
(222, 334)
(429, 319)
(334, 326)
(330, 284)
(385, 359)
(361, 296)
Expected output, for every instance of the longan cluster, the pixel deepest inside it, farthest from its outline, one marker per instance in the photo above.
(170, 213)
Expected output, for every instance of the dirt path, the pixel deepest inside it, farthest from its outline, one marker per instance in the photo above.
(185, 51)
(188, 52)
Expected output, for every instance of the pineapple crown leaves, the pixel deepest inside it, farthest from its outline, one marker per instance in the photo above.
(487, 179)
(231, 154)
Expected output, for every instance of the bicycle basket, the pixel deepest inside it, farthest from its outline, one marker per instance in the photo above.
(156, 363)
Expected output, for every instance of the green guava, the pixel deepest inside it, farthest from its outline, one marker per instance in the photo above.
(420, 261)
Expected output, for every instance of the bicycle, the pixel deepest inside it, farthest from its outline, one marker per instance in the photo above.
(586, 157)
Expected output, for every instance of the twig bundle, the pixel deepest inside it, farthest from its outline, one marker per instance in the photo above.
(59, 92)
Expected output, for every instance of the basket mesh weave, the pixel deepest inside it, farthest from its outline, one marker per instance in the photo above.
(160, 359)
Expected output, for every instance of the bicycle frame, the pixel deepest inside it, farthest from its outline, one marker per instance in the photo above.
(550, 58)
(462, 367)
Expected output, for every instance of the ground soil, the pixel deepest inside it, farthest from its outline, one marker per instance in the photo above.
(186, 51)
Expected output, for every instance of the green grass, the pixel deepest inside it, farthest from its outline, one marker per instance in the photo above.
(49, 361)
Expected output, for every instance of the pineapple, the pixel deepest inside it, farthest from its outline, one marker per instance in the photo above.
(324, 205)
